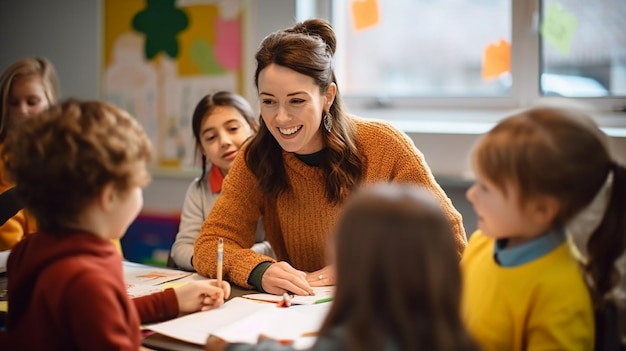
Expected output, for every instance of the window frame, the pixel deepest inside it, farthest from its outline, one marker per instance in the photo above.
(525, 66)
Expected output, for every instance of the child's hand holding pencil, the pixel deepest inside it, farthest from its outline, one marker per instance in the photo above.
(201, 295)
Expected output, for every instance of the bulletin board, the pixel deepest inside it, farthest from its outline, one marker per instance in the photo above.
(162, 56)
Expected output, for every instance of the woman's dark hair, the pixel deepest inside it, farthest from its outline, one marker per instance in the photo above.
(307, 48)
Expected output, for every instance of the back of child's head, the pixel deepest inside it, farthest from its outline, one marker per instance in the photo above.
(27, 67)
(398, 274)
(63, 159)
(560, 152)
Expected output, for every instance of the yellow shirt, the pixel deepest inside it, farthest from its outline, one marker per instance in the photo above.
(543, 304)
(14, 229)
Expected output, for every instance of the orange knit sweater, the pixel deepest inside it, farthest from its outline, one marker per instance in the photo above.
(299, 224)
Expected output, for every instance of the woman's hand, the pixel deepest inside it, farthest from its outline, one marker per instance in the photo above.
(280, 278)
(322, 277)
(201, 295)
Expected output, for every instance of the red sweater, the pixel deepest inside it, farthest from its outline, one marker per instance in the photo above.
(67, 292)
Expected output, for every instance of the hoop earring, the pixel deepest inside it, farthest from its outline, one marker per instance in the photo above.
(328, 121)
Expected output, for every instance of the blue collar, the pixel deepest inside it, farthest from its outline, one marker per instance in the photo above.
(530, 251)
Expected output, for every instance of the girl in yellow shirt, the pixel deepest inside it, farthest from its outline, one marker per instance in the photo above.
(536, 173)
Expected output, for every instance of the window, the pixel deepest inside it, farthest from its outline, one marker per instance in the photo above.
(479, 53)
(594, 65)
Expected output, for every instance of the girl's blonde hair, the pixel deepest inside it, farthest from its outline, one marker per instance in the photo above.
(26, 67)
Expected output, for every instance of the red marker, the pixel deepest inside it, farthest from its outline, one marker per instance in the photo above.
(286, 301)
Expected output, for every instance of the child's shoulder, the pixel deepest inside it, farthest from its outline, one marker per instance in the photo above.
(478, 241)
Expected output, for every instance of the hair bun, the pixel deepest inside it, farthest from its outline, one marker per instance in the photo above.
(321, 28)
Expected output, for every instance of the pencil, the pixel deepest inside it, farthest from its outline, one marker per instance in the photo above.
(220, 261)
(325, 299)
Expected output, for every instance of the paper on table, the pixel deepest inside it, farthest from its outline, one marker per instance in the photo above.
(4, 255)
(322, 294)
(143, 280)
(139, 274)
(142, 290)
(243, 320)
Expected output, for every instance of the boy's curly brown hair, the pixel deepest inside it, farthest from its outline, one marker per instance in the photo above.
(62, 159)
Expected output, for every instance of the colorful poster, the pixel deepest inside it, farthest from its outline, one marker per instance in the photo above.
(162, 56)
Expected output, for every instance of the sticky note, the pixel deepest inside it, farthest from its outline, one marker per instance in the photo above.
(364, 14)
(496, 59)
(557, 28)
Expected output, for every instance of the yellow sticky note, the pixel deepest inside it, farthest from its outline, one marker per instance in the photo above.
(496, 59)
(557, 28)
(364, 14)
(4, 306)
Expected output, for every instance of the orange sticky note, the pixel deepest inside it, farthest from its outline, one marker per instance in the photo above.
(496, 59)
(364, 14)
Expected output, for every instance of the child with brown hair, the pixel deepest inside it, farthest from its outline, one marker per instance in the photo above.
(544, 177)
(398, 277)
(81, 168)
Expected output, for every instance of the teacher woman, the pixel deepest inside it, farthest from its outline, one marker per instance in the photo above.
(296, 172)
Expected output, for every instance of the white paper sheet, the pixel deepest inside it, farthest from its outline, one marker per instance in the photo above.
(140, 274)
(243, 320)
(4, 255)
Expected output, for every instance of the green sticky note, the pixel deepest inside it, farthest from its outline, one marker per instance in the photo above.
(557, 28)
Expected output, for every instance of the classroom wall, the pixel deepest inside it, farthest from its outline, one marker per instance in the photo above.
(68, 33)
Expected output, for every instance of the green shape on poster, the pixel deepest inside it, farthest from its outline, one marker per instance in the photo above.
(203, 55)
(160, 21)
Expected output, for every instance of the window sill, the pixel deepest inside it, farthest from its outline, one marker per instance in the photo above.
(470, 122)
